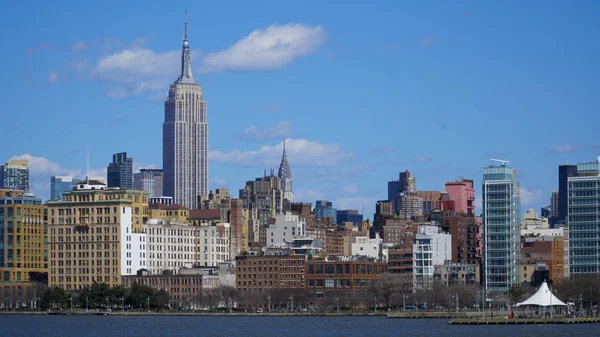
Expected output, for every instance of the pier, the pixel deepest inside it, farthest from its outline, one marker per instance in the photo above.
(507, 321)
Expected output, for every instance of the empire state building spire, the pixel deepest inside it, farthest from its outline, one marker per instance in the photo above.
(186, 63)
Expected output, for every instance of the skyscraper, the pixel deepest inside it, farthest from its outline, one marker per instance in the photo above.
(185, 137)
(564, 172)
(582, 219)
(150, 180)
(285, 174)
(120, 172)
(14, 175)
(501, 227)
(60, 184)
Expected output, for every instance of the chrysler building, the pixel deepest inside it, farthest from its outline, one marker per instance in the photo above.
(185, 137)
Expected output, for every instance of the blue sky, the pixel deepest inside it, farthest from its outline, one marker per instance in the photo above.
(362, 89)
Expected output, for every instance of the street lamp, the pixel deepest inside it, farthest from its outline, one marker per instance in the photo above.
(375, 301)
(292, 303)
(148, 303)
(457, 303)
(404, 302)
(269, 298)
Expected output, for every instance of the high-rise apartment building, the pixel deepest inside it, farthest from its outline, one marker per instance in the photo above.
(501, 226)
(23, 244)
(583, 219)
(285, 174)
(185, 137)
(92, 237)
(462, 193)
(61, 184)
(149, 180)
(431, 248)
(120, 172)
(14, 175)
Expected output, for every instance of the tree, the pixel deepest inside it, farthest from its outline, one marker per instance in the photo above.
(516, 294)
(54, 298)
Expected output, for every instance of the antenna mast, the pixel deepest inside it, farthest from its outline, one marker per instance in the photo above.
(87, 159)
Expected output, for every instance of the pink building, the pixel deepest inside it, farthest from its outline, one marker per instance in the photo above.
(463, 195)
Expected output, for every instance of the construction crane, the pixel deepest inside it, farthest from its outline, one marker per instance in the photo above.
(502, 162)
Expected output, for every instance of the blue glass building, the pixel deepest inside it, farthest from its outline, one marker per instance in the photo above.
(60, 184)
(501, 227)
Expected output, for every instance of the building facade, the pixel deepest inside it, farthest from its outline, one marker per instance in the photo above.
(14, 175)
(267, 272)
(120, 172)
(23, 244)
(348, 215)
(185, 137)
(462, 193)
(265, 196)
(149, 180)
(61, 184)
(583, 219)
(564, 172)
(501, 228)
(430, 248)
(92, 239)
(450, 274)
(285, 229)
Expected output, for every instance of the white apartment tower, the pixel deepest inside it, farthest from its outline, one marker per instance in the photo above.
(185, 137)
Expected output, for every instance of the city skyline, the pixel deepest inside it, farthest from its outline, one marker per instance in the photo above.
(395, 71)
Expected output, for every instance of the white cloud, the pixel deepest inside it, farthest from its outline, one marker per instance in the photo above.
(529, 197)
(350, 189)
(134, 69)
(564, 148)
(428, 41)
(299, 152)
(267, 49)
(52, 76)
(137, 70)
(80, 46)
(268, 132)
(41, 169)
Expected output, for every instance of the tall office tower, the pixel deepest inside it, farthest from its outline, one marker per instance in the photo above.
(396, 188)
(285, 174)
(185, 137)
(14, 175)
(23, 246)
(265, 197)
(149, 180)
(582, 219)
(564, 172)
(120, 172)
(501, 226)
(60, 184)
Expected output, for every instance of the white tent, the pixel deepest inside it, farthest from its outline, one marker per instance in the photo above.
(543, 297)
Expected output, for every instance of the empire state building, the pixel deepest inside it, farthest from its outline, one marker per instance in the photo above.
(185, 137)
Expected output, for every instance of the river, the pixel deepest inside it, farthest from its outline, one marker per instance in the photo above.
(150, 326)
